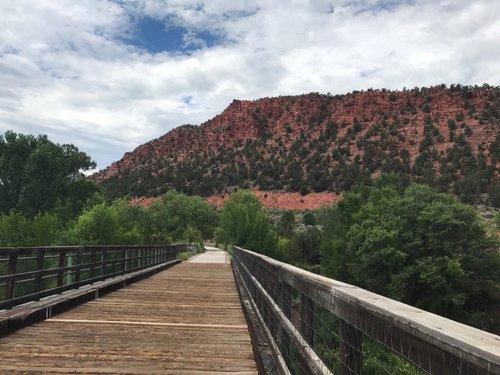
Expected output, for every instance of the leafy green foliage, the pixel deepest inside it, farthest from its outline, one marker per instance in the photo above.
(243, 222)
(179, 217)
(97, 226)
(421, 247)
(17, 230)
(36, 174)
(305, 247)
(309, 218)
(284, 227)
(176, 218)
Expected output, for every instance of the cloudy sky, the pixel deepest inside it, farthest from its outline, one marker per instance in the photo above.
(108, 75)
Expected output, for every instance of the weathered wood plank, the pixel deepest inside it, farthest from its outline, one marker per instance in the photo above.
(187, 320)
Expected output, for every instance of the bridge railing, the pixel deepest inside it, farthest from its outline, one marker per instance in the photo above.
(31, 273)
(323, 326)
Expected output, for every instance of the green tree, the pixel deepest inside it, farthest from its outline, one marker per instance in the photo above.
(96, 226)
(177, 215)
(305, 246)
(309, 218)
(422, 247)
(18, 230)
(130, 222)
(14, 230)
(35, 174)
(284, 227)
(243, 222)
(45, 230)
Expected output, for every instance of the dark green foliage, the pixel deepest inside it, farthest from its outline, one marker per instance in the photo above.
(494, 193)
(284, 227)
(494, 149)
(422, 247)
(36, 174)
(356, 126)
(305, 246)
(309, 218)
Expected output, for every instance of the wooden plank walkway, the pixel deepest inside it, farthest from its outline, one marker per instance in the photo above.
(185, 320)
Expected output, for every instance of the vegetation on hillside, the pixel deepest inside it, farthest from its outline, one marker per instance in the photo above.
(444, 137)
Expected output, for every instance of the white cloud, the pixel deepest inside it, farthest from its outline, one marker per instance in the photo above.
(66, 71)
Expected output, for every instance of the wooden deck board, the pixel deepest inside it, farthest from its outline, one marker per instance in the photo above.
(186, 320)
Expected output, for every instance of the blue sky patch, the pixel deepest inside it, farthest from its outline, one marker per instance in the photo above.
(163, 36)
(187, 99)
(381, 5)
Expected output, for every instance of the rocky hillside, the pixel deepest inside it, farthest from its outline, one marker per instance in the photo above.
(447, 137)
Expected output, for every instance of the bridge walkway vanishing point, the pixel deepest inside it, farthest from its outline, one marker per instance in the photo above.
(185, 320)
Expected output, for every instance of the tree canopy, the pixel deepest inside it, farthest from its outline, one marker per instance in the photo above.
(37, 174)
(180, 217)
(243, 222)
(420, 247)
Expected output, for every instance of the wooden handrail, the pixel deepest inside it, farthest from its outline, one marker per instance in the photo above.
(433, 343)
(72, 267)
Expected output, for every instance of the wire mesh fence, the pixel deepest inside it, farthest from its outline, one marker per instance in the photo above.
(321, 326)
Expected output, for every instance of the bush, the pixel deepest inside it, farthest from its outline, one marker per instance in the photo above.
(17, 230)
(422, 247)
(244, 223)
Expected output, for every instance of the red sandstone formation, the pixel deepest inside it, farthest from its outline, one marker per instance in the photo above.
(268, 199)
(280, 121)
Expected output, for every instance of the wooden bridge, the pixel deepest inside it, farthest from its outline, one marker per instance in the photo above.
(138, 310)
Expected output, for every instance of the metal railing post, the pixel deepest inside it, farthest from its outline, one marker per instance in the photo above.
(285, 303)
(307, 318)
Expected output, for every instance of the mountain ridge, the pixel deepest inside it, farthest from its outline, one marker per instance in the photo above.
(314, 142)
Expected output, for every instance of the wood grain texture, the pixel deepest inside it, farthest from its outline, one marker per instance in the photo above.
(186, 320)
